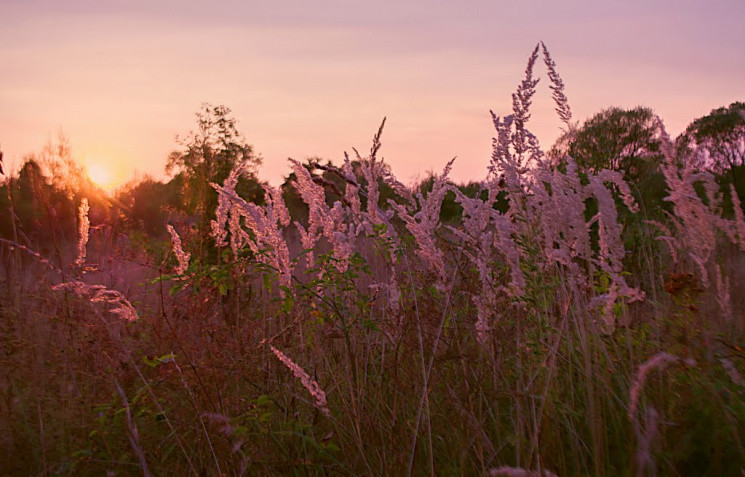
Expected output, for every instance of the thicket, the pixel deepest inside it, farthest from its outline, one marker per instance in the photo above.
(552, 318)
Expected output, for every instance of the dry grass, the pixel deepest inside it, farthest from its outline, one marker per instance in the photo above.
(508, 341)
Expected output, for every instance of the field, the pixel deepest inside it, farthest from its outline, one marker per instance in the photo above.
(549, 319)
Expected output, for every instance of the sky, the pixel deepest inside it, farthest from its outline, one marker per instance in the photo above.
(121, 79)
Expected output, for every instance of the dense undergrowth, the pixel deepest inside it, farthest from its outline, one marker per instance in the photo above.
(551, 325)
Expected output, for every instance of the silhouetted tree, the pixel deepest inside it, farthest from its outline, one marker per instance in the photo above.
(146, 204)
(45, 196)
(626, 140)
(209, 153)
(719, 137)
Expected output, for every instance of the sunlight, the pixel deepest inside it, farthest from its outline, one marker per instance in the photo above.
(101, 175)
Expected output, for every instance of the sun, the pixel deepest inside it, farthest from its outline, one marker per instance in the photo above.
(101, 175)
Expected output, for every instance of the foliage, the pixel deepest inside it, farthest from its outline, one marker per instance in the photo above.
(209, 153)
(42, 200)
(214, 148)
(146, 204)
(538, 322)
(625, 140)
(717, 138)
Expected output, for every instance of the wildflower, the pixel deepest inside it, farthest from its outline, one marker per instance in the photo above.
(696, 221)
(351, 191)
(101, 294)
(308, 383)
(84, 224)
(486, 238)
(37, 256)
(557, 86)
(181, 256)
(723, 294)
(314, 196)
(323, 221)
(219, 233)
(739, 221)
(659, 361)
(265, 223)
(424, 223)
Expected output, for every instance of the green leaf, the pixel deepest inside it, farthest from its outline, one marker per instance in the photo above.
(166, 358)
(288, 303)
(263, 400)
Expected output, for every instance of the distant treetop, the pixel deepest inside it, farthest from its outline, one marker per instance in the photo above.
(717, 140)
(626, 140)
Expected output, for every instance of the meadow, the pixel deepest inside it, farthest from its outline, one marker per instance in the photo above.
(555, 317)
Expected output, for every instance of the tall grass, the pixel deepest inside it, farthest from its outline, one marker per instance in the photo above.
(527, 337)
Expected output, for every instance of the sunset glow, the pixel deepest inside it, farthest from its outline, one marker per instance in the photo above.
(344, 237)
(315, 79)
(101, 175)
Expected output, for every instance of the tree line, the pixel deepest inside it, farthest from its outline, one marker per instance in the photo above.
(40, 201)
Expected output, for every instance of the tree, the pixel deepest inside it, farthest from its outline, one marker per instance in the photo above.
(626, 140)
(718, 137)
(210, 153)
(59, 166)
(145, 203)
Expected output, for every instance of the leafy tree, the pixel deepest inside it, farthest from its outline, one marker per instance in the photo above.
(209, 153)
(60, 168)
(145, 203)
(626, 140)
(52, 181)
(32, 189)
(42, 211)
(719, 136)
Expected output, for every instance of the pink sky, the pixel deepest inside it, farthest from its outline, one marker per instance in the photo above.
(316, 78)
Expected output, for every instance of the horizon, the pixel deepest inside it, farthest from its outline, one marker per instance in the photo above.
(123, 80)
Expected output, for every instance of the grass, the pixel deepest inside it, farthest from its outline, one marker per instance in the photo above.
(508, 341)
